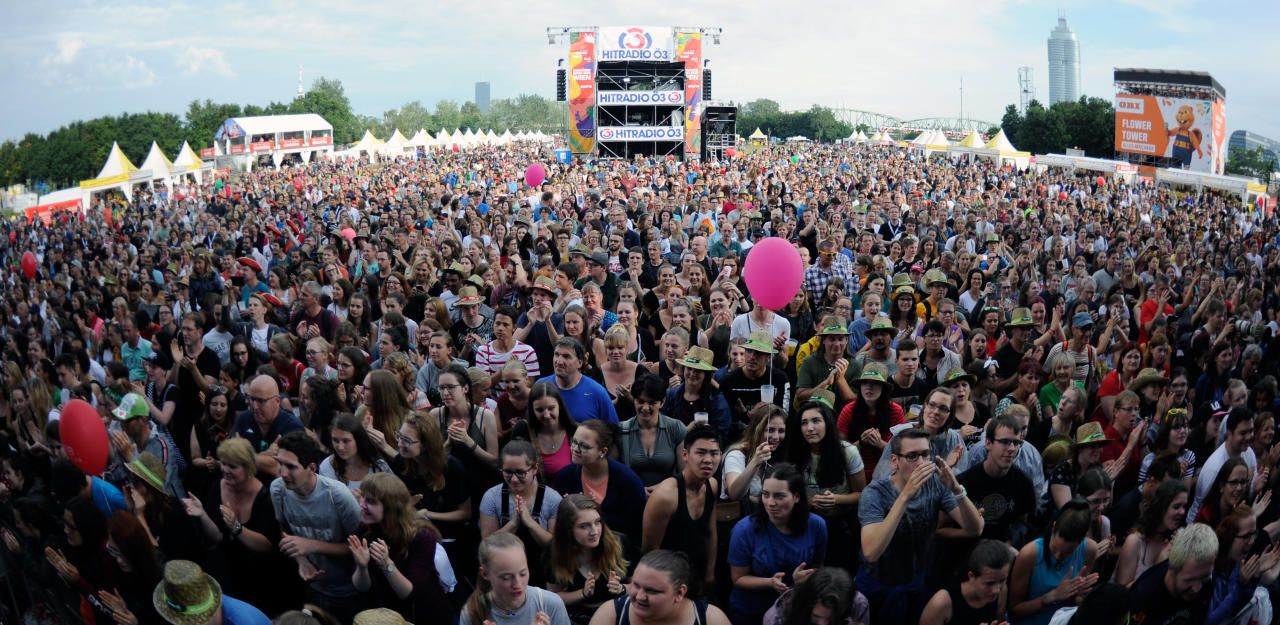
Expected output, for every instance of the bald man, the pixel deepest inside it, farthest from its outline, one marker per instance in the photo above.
(265, 421)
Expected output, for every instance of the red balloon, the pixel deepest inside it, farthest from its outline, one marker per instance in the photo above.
(730, 152)
(84, 437)
(29, 265)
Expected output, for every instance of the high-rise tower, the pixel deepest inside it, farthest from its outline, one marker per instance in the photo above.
(1064, 64)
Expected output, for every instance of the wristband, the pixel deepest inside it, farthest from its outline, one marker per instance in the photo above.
(236, 529)
(964, 492)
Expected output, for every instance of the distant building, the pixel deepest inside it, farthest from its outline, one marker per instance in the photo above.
(1064, 64)
(1245, 140)
(482, 96)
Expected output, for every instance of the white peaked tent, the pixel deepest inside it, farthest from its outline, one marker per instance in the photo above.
(188, 162)
(861, 137)
(118, 172)
(920, 141)
(444, 138)
(395, 145)
(505, 137)
(420, 139)
(491, 138)
(157, 164)
(469, 138)
(973, 140)
(367, 144)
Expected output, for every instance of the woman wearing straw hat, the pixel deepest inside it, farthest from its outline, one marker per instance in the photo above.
(831, 370)
(967, 416)
(868, 420)
(696, 394)
(1086, 454)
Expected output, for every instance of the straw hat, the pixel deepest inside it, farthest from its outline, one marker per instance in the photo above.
(698, 358)
(458, 268)
(380, 616)
(958, 374)
(468, 296)
(874, 372)
(904, 290)
(187, 595)
(1147, 377)
(150, 469)
(824, 397)
(935, 276)
(1021, 318)
(546, 284)
(900, 280)
(880, 324)
(1091, 433)
(760, 341)
(833, 325)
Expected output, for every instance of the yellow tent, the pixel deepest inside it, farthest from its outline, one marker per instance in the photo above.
(758, 138)
(971, 141)
(114, 171)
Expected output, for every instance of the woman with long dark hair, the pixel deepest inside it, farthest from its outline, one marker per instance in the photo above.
(869, 418)
(596, 474)
(355, 456)
(353, 365)
(833, 471)
(1053, 569)
(828, 596)
(779, 545)
(586, 565)
(1229, 491)
(650, 442)
(139, 564)
(548, 426)
(1148, 544)
(86, 566)
(395, 553)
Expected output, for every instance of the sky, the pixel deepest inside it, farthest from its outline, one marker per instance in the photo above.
(78, 59)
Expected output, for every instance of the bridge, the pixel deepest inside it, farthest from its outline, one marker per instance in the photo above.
(880, 121)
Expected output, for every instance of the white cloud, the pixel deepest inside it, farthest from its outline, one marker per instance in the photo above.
(69, 46)
(194, 60)
(131, 73)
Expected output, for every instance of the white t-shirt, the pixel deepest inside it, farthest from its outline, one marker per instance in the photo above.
(743, 325)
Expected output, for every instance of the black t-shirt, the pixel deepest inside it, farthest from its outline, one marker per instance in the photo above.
(1007, 360)
(190, 408)
(1003, 500)
(1153, 604)
(908, 396)
(447, 499)
(743, 393)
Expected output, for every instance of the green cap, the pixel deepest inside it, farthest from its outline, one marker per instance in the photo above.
(131, 407)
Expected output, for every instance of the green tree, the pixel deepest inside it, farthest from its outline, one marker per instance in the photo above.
(203, 119)
(470, 116)
(328, 99)
(448, 115)
(1011, 123)
(1255, 163)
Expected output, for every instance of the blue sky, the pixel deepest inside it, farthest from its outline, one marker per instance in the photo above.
(83, 58)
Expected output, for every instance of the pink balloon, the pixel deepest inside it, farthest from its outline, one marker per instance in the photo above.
(730, 152)
(773, 272)
(84, 437)
(348, 234)
(534, 175)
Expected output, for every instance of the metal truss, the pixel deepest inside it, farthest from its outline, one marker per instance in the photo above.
(880, 121)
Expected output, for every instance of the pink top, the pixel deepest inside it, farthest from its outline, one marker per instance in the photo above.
(552, 463)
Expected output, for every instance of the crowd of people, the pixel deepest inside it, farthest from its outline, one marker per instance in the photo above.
(422, 391)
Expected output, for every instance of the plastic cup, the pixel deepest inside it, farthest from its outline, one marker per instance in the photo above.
(792, 344)
(766, 393)
(701, 417)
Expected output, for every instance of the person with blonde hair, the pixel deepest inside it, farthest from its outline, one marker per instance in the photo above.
(384, 407)
(586, 564)
(503, 595)
(395, 552)
(405, 373)
(236, 514)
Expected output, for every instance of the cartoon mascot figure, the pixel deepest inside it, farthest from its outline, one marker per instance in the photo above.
(1185, 138)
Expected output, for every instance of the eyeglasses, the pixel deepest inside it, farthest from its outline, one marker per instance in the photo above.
(580, 446)
(1010, 442)
(261, 400)
(915, 455)
(405, 439)
(514, 473)
(939, 407)
(448, 388)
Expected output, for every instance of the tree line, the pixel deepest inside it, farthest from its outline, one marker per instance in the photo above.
(1086, 124)
(76, 151)
(818, 123)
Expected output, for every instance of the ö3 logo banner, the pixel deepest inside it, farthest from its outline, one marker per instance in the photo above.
(637, 43)
(640, 133)
(672, 98)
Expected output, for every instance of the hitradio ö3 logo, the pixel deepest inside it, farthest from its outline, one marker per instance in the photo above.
(635, 39)
(606, 133)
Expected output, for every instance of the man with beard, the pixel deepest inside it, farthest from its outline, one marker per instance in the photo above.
(1178, 590)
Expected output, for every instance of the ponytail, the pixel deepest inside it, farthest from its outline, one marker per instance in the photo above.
(478, 607)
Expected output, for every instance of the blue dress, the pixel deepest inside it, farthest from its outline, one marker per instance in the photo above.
(769, 552)
(1046, 576)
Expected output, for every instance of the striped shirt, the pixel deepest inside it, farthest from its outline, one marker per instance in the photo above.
(492, 360)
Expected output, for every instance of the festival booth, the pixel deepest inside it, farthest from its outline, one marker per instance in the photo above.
(1003, 153)
(506, 137)
(246, 140)
(1119, 171)
(158, 165)
(395, 146)
(118, 173)
(936, 141)
(62, 201)
(420, 142)
(1248, 189)
(758, 138)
